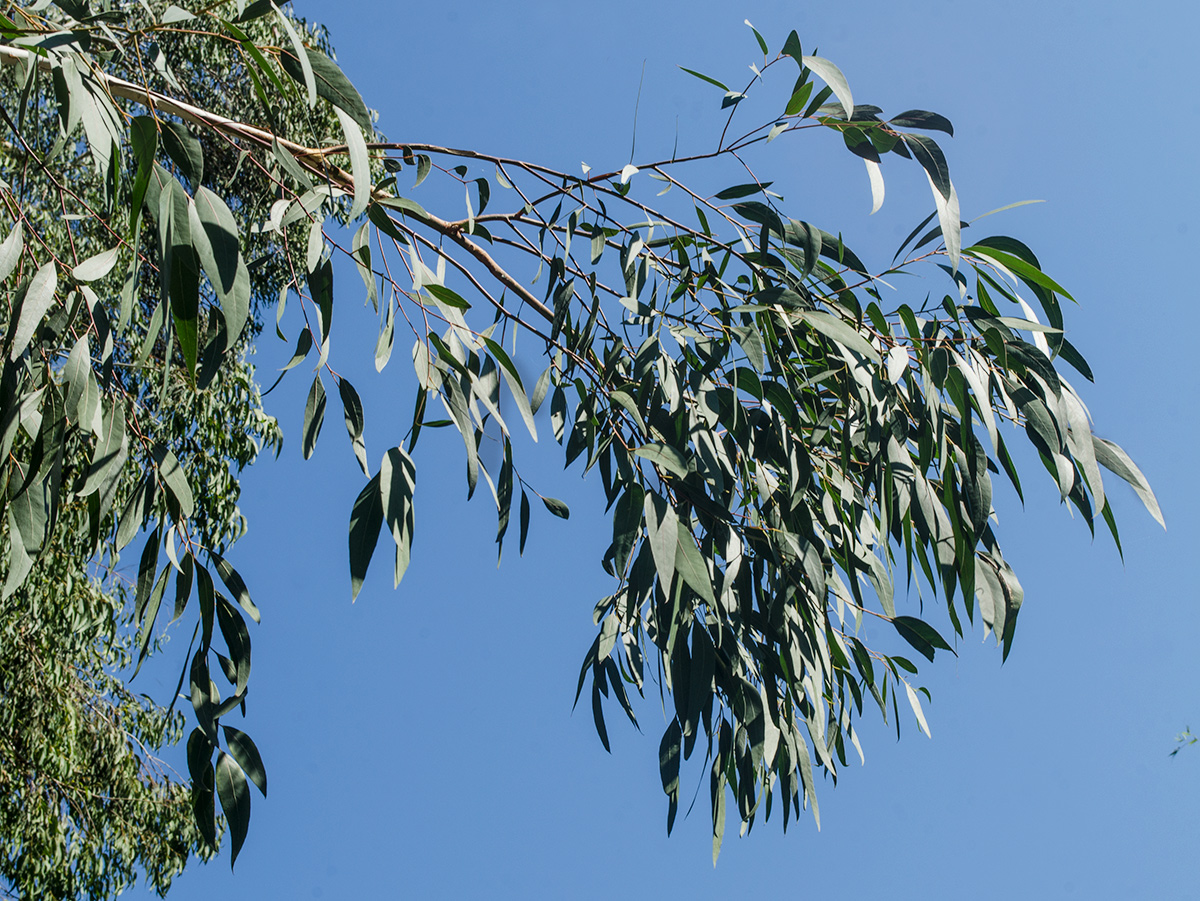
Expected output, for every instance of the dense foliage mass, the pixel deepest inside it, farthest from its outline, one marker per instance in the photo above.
(778, 444)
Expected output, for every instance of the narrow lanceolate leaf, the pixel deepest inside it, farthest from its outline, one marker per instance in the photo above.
(10, 251)
(235, 801)
(1113, 458)
(215, 238)
(875, 173)
(662, 527)
(314, 416)
(366, 518)
(702, 77)
(299, 57)
(932, 160)
(175, 479)
(360, 164)
(948, 219)
(669, 753)
(920, 635)
(243, 750)
(832, 327)
(664, 457)
(236, 585)
(915, 703)
(919, 118)
(353, 411)
(397, 484)
(39, 297)
(690, 565)
(833, 77)
(185, 151)
(111, 450)
(331, 83)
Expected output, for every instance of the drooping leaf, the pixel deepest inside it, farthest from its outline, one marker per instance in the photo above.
(833, 77)
(235, 801)
(314, 416)
(366, 518)
(39, 298)
(243, 750)
(331, 83)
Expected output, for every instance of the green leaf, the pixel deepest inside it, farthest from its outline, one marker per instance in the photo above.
(236, 585)
(184, 150)
(95, 267)
(110, 454)
(832, 76)
(524, 520)
(664, 457)
(181, 268)
(915, 703)
(712, 81)
(235, 801)
(10, 251)
(932, 160)
(669, 754)
(39, 298)
(360, 164)
(314, 416)
(557, 507)
(627, 521)
(397, 484)
(791, 47)
(366, 518)
(175, 479)
(662, 527)
(690, 565)
(1026, 270)
(237, 639)
(446, 296)
(832, 327)
(919, 118)
(299, 58)
(352, 409)
(331, 83)
(243, 750)
(920, 635)
(1113, 458)
(215, 238)
(746, 190)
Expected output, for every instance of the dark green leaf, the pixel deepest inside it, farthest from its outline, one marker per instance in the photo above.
(175, 479)
(331, 83)
(243, 750)
(39, 298)
(742, 191)
(920, 635)
(557, 507)
(352, 410)
(711, 81)
(366, 518)
(524, 520)
(236, 585)
(215, 238)
(184, 150)
(235, 801)
(314, 416)
(919, 118)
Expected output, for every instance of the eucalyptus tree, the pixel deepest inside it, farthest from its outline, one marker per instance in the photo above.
(779, 445)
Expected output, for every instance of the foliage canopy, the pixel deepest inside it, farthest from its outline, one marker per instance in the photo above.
(780, 443)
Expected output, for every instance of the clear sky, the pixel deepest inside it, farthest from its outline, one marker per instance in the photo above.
(420, 742)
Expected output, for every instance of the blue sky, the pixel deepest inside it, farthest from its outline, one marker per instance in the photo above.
(420, 742)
